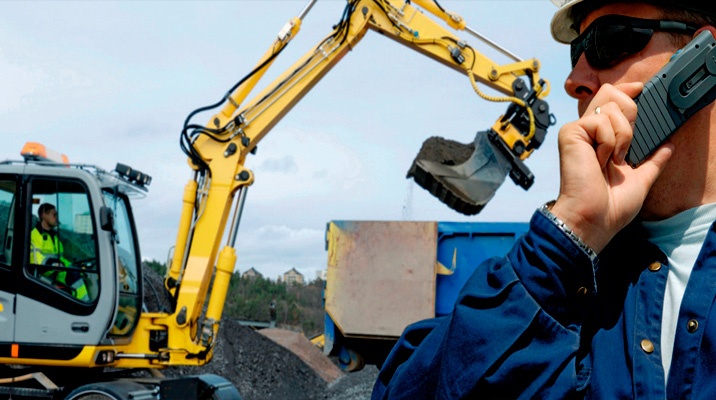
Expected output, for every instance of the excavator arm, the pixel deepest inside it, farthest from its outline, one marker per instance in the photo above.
(217, 152)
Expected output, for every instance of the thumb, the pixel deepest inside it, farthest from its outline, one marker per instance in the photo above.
(652, 167)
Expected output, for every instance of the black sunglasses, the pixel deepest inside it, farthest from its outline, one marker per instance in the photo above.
(611, 37)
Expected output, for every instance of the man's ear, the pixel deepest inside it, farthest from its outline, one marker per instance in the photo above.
(708, 28)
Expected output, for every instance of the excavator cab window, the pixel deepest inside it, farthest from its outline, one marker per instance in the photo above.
(7, 216)
(128, 260)
(63, 243)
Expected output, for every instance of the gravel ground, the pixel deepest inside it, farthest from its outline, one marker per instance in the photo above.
(260, 368)
(354, 386)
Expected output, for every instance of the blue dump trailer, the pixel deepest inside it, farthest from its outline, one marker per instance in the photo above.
(385, 275)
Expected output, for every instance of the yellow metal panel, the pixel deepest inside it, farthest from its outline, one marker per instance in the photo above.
(84, 359)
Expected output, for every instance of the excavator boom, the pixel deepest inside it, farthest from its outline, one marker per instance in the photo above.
(217, 151)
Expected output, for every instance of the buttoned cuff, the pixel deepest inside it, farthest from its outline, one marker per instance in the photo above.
(555, 270)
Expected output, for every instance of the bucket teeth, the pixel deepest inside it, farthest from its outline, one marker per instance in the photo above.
(463, 176)
(428, 182)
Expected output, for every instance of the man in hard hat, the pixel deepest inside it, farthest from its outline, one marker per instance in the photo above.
(46, 249)
(610, 294)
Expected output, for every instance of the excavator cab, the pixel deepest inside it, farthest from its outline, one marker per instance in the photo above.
(71, 285)
(70, 273)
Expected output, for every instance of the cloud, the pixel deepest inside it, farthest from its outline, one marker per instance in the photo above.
(341, 153)
(274, 249)
(286, 165)
(297, 162)
(321, 174)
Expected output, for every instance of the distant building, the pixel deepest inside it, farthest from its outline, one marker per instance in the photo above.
(322, 274)
(83, 223)
(293, 276)
(251, 273)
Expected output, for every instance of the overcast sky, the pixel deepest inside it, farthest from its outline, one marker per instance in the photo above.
(106, 82)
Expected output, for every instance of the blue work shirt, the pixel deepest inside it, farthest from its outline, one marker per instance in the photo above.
(543, 323)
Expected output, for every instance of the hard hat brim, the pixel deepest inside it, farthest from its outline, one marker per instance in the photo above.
(562, 22)
(564, 31)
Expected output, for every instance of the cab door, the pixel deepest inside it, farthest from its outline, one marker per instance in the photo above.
(9, 260)
(64, 298)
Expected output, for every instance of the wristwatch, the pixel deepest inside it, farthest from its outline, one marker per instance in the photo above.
(545, 210)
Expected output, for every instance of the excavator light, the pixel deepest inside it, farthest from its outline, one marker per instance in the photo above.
(33, 151)
(133, 175)
(104, 357)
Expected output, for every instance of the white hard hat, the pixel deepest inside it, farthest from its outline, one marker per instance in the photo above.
(562, 22)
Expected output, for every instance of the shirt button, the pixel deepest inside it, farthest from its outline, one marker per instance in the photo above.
(692, 325)
(647, 346)
(655, 266)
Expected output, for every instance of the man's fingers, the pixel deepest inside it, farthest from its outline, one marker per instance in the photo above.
(623, 133)
(605, 138)
(608, 132)
(631, 89)
(622, 95)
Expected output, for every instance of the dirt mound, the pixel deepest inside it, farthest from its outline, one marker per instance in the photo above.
(155, 296)
(443, 151)
(257, 366)
(306, 351)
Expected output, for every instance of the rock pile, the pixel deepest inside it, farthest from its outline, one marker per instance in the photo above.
(258, 367)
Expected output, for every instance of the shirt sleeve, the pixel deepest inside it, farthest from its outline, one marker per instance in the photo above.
(514, 332)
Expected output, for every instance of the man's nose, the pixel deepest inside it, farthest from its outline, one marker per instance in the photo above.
(582, 82)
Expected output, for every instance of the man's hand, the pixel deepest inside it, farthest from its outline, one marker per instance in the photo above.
(599, 192)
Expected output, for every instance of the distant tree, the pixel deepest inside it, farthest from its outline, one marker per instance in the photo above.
(158, 267)
(297, 306)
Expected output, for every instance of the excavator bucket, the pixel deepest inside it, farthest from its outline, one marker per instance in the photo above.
(466, 176)
(463, 176)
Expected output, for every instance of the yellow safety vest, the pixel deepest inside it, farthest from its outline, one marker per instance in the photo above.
(46, 247)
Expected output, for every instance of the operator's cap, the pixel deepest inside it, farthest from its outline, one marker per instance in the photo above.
(564, 26)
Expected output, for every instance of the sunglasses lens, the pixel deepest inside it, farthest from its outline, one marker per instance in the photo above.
(605, 41)
(608, 45)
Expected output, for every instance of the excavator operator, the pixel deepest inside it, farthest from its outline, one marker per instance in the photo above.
(46, 249)
(610, 294)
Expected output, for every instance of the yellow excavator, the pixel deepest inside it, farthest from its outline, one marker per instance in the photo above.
(71, 312)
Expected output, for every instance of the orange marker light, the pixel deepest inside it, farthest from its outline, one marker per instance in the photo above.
(14, 351)
(38, 152)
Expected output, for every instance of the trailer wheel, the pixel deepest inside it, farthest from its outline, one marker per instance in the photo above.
(350, 361)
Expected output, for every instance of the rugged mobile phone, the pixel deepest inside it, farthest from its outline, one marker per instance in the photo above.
(685, 85)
